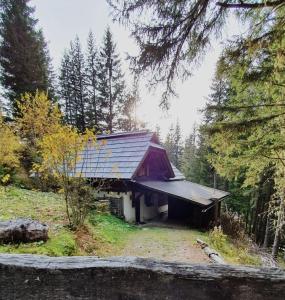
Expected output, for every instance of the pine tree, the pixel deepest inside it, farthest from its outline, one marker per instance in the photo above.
(189, 156)
(111, 84)
(24, 55)
(79, 84)
(173, 144)
(249, 138)
(73, 85)
(178, 145)
(94, 106)
(65, 87)
(169, 143)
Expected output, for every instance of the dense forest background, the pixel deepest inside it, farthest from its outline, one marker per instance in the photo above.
(239, 147)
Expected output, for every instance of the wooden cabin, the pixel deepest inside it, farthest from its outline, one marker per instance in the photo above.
(132, 170)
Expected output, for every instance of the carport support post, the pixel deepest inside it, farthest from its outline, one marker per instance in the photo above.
(137, 203)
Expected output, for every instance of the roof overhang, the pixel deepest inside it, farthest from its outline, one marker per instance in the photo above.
(185, 190)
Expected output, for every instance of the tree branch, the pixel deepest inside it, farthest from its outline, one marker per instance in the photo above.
(246, 5)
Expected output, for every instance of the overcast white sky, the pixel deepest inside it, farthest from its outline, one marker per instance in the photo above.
(62, 20)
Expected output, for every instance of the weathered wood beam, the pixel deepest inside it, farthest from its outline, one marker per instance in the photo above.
(40, 277)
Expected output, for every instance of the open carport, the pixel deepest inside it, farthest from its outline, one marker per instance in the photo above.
(187, 201)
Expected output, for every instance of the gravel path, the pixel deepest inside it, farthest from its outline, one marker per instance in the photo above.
(171, 244)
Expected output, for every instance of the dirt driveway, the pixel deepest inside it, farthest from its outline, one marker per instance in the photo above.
(171, 244)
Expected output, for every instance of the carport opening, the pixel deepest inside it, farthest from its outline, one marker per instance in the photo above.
(186, 212)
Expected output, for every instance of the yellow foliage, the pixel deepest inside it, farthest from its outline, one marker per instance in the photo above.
(39, 116)
(5, 179)
(62, 150)
(9, 146)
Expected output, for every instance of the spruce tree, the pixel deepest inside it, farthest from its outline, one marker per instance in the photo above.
(173, 144)
(73, 87)
(66, 90)
(111, 83)
(94, 108)
(178, 149)
(79, 84)
(169, 143)
(189, 156)
(24, 56)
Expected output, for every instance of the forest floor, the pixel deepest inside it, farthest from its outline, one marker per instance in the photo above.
(105, 235)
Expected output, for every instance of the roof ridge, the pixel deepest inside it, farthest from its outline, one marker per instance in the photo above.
(122, 134)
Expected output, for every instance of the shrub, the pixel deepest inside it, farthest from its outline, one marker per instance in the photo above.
(217, 238)
(81, 200)
(233, 226)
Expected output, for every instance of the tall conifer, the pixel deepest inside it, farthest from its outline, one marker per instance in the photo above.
(94, 107)
(24, 56)
(111, 84)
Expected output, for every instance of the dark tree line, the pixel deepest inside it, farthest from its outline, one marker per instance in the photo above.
(253, 204)
(91, 88)
(93, 91)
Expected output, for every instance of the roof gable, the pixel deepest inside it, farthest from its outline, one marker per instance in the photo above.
(117, 155)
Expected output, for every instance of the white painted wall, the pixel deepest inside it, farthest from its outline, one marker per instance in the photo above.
(129, 211)
(148, 212)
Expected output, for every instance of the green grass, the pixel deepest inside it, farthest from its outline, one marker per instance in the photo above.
(111, 233)
(45, 207)
(233, 253)
(103, 235)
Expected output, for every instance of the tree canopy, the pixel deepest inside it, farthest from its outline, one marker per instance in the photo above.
(24, 56)
(173, 36)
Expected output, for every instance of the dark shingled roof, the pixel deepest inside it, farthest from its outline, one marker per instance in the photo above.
(185, 190)
(117, 155)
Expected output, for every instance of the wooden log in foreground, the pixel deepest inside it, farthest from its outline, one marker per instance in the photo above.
(32, 277)
(212, 254)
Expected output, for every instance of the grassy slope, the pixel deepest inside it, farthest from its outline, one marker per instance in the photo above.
(103, 235)
(232, 253)
(46, 207)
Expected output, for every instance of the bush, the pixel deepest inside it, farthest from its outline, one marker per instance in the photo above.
(81, 199)
(233, 226)
(217, 238)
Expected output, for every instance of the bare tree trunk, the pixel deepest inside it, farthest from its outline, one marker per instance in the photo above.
(267, 229)
(276, 243)
(278, 229)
